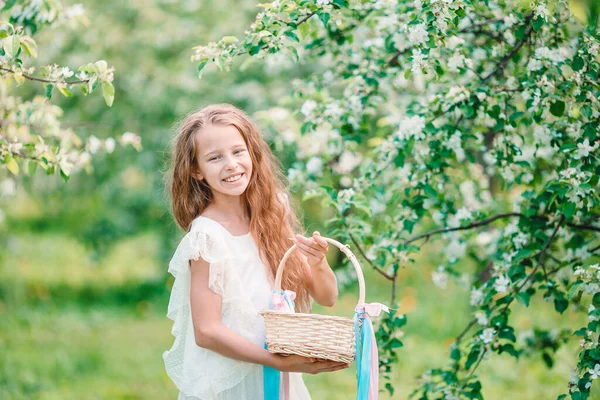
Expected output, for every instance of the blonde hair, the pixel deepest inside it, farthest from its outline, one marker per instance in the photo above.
(190, 197)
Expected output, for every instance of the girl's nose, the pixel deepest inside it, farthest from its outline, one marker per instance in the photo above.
(231, 163)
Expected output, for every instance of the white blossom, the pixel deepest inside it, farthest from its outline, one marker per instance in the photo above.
(476, 297)
(463, 214)
(440, 277)
(109, 145)
(308, 107)
(411, 127)
(417, 34)
(584, 149)
(595, 372)
(94, 144)
(501, 284)
(314, 166)
(345, 196)
(487, 336)
(481, 318)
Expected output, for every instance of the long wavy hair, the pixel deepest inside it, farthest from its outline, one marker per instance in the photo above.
(265, 195)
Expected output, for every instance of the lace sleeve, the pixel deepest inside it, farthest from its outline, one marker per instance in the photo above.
(194, 370)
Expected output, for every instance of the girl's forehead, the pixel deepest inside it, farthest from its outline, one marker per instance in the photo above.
(218, 137)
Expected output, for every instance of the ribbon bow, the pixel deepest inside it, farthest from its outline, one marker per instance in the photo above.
(367, 354)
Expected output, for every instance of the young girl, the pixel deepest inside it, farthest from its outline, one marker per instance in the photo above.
(227, 194)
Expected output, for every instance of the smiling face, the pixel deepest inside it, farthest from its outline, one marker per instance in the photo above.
(222, 159)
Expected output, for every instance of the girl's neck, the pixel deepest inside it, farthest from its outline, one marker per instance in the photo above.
(230, 208)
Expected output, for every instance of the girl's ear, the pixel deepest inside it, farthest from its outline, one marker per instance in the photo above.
(197, 175)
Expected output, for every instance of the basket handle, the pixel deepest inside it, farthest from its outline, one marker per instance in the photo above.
(344, 249)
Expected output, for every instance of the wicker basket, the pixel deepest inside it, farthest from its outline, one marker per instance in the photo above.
(313, 335)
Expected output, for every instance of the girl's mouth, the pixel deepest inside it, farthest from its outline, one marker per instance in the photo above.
(233, 179)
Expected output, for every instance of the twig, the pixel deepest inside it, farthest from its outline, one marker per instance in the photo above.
(514, 51)
(548, 243)
(461, 228)
(33, 78)
(378, 269)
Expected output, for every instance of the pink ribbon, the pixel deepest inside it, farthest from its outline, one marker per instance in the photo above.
(373, 309)
(280, 304)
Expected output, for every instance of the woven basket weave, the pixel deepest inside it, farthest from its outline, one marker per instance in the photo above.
(313, 335)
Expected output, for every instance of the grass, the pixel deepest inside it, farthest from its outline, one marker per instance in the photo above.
(58, 345)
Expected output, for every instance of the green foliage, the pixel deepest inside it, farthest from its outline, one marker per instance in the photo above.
(484, 123)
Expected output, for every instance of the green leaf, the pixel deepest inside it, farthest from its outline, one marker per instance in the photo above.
(574, 289)
(538, 22)
(200, 68)
(596, 300)
(29, 45)
(64, 176)
(304, 30)
(254, 50)
(473, 356)
(92, 84)
(9, 4)
(581, 332)
(548, 360)
(108, 91)
(292, 36)
(65, 91)
(49, 88)
(569, 209)
(560, 303)
(558, 108)
(455, 354)
(230, 39)
(523, 298)
(577, 63)
(324, 17)
(12, 164)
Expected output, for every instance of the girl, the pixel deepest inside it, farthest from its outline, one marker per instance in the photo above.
(226, 193)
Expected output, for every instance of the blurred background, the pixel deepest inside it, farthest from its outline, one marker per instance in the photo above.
(83, 265)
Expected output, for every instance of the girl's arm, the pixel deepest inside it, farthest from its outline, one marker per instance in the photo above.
(322, 283)
(210, 333)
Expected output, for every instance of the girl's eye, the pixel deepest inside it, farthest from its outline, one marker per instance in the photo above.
(239, 151)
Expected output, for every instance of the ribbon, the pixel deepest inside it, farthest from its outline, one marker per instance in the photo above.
(367, 354)
(276, 383)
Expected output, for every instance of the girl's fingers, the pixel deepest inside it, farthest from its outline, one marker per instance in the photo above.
(308, 250)
(334, 368)
(320, 241)
(312, 243)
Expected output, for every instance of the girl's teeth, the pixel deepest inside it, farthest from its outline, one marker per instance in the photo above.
(233, 179)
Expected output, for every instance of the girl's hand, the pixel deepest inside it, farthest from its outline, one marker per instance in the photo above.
(314, 248)
(296, 363)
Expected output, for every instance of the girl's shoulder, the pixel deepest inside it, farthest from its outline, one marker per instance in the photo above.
(204, 239)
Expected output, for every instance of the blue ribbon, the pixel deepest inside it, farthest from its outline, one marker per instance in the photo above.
(271, 380)
(272, 376)
(363, 353)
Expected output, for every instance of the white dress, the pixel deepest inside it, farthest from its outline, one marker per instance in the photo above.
(239, 276)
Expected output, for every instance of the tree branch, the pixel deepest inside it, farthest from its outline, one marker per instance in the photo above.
(515, 50)
(547, 245)
(360, 250)
(461, 228)
(33, 78)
